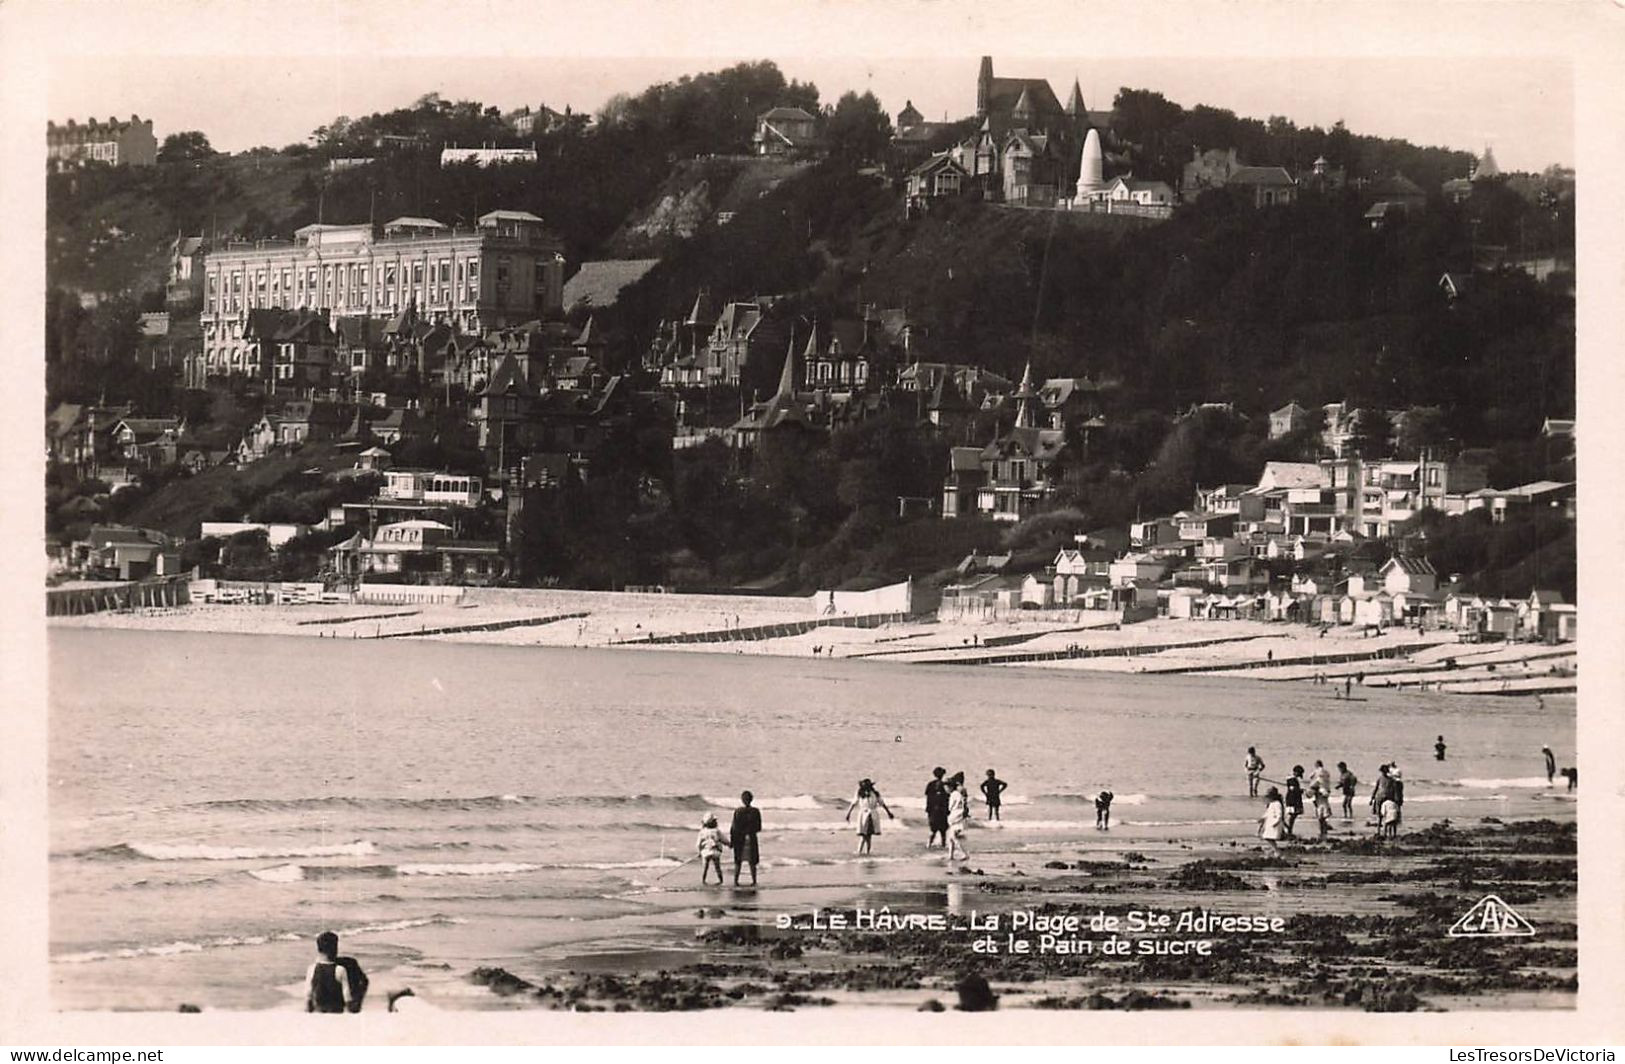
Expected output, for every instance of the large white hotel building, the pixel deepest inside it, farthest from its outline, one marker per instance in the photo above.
(507, 270)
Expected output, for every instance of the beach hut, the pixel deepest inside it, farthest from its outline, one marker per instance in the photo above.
(1182, 603)
(1037, 593)
(1565, 622)
(1535, 617)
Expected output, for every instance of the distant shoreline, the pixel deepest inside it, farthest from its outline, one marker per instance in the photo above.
(1259, 650)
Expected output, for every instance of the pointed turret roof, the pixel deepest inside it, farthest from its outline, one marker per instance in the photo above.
(589, 337)
(700, 313)
(1024, 104)
(1026, 397)
(787, 378)
(1074, 103)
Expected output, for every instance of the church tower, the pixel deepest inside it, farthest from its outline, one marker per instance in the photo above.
(984, 86)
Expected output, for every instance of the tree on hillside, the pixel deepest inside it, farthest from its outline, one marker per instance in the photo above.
(856, 130)
(185, 147)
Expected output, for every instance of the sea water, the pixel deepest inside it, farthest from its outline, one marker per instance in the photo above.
(216, 800)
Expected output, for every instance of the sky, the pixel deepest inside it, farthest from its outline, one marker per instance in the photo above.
(1523, 109)
(357, 60)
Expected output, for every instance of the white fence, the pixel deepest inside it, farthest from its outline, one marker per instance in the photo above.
(893, 598)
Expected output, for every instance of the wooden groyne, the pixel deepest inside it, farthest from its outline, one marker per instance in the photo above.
(1397, 651)
(492, 626)
(1075, 654)
(767, 631)
(143, 594)
(360, 617)
(1460, 666)
(995, 641)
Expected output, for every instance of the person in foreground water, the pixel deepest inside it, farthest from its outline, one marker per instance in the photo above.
(958, 815)
(1270, 824)
(868, 803)
(327, 983)
(1103, 811)
(747, 824)
(1255, 769)
(936, 807)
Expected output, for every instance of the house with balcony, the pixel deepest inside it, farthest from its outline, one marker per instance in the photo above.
(938, 177)
(417, 551)
(1235, 573)
(785, 131)
(1197, 526)
(147, 441)
(1236, 500)
(1135, 569)
(1143, 535)
(1019, 468)
(125, 553)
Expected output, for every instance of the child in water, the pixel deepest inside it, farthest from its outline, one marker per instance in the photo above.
(1438, 749)
(1390, 819)
(992, 787)
(1323, 807)
(1103, 811)
(710, 846)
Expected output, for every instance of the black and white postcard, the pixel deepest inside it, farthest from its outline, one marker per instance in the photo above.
(554, 525)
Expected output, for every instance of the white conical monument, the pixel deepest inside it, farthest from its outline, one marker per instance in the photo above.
(1091, 167)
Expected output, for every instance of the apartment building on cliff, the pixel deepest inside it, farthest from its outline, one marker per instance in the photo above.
(507, 270)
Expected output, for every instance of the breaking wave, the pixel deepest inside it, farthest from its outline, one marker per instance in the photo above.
(152, 851)
(169, 949)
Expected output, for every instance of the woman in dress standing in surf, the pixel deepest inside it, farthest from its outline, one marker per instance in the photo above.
(868, 803)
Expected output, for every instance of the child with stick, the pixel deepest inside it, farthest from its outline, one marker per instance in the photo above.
(710, 844)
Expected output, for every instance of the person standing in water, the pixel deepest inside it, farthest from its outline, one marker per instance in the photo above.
(1346, 782)
(958, 815)
(1323, 807)
(747, 824)
(709, 844)
(1270, 824)
(992, 787)
(936, 807)
(1255, 767)
(868, 803)
(1103, 810)
(1380, 793)
(1551, 764)
(1322, 776)
(1294, 798)
(1438, 749)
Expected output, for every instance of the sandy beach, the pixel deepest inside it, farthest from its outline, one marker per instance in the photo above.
(1348, 923)
(484, 848)
(1270, 651)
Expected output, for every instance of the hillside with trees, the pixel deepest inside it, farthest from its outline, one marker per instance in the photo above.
(1222, 304)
